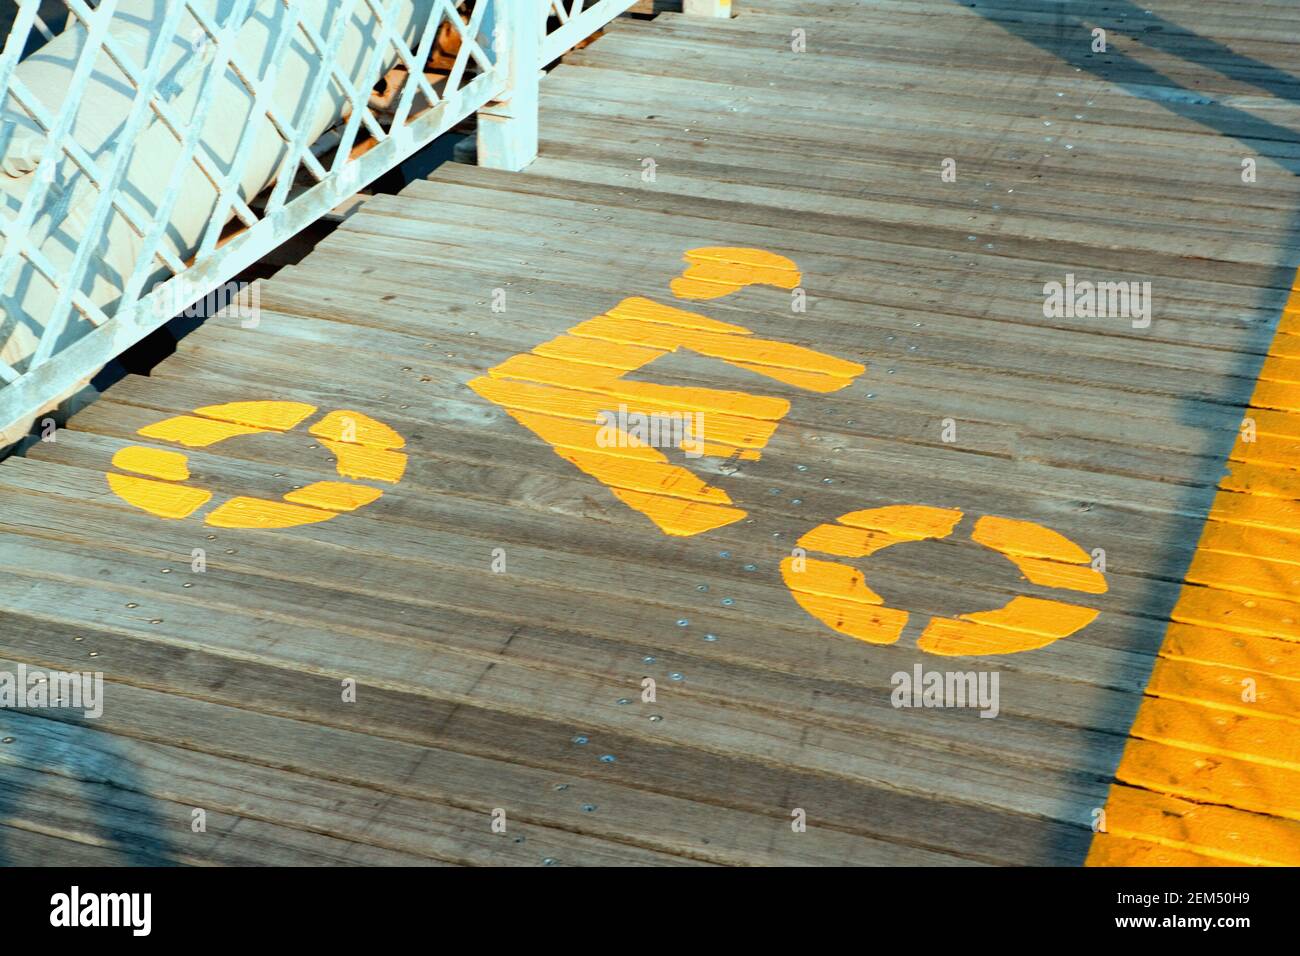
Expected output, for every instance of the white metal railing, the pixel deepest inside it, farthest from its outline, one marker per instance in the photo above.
(148, 157)
(576, 20)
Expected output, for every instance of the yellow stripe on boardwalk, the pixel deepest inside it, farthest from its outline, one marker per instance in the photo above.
(1211, 773)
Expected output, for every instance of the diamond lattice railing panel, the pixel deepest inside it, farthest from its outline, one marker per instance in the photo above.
(572, 21)
(149, 152)
(129, 142)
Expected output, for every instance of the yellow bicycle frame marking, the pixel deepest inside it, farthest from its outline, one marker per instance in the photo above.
(560, 389)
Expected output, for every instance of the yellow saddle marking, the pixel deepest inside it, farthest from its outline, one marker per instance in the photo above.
(714, 272)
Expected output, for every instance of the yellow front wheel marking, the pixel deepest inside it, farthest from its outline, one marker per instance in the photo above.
(837, 594)
(1043, 556)
(904, 522)
(828, 579)
(1012, 538)
(1054, 574)
(1024, 624)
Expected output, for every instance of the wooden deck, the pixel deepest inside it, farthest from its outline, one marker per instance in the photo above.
(499, 606)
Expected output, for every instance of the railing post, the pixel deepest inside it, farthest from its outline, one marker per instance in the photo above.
(507, 128)
(707, 8)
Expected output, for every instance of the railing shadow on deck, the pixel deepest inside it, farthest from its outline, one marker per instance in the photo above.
(1069, 40)
(72, 748)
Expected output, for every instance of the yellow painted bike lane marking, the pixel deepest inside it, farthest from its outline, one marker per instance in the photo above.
(562, 390)
(1211, 771)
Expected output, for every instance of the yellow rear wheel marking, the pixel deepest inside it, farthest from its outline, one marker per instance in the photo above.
(273, 416)
(357, 429)
(159, 498)
(362, 446)
(367, 464)
(153, 462)
(194, 432)
(259, 513)
(334, 495)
